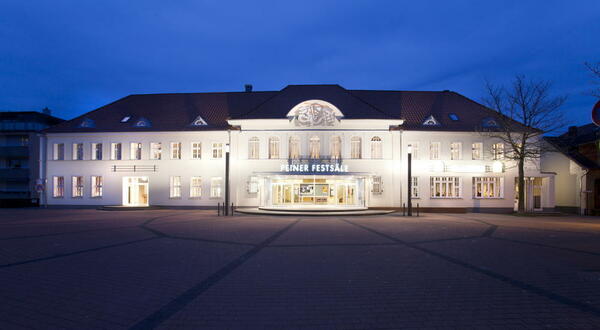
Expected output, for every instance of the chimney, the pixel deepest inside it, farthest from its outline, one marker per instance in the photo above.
(248, 87)
(572, 131)
(46, 111)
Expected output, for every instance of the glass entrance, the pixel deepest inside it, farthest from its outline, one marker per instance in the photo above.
(316, 191)
(135, 191)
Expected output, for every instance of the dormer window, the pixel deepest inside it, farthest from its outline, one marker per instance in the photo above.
(142, 122)
(431, 121)
(125, 119)
(453, 116)
(489, 122)
(199, 121)
(86, 122)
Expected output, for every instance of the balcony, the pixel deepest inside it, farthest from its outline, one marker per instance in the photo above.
(14, 152)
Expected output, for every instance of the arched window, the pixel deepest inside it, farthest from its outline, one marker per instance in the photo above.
(376, 151)
(142, 122)
(294, 147)
(273, 147)
(356, 147)
(336, 147)
(88, 123)
(314, 147)
(253, 148)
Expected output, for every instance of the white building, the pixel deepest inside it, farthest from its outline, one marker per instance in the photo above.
(304, 147)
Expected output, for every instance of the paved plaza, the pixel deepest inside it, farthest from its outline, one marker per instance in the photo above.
(168, 269)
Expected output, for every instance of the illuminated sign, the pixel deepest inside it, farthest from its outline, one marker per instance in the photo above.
(314, 168)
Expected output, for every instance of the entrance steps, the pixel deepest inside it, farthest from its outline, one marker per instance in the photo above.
(312, 212)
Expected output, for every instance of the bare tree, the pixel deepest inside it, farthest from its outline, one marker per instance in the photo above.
(595, 70)
(526, 111)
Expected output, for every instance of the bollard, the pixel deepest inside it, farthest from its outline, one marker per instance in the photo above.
(417, 209)
(403, 209)
(218, 209)
(231, 209)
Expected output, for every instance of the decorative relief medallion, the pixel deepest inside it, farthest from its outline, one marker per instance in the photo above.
(315, 113)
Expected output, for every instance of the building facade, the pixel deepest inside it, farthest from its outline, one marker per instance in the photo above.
(304, 147)
(20, 155)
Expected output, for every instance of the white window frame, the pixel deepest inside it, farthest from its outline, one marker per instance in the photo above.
(196, 148)
(377, 185)
(58, 186)
(415, 150)
(217, 150)
(155, 150)
(216, 187)
(491, 187)
(113, 151)
(133, 150)
(96, 185)
(415, 193)
(77, 152)
(58, 151)
(449, 187)
(498, 151)
(455, 150)
(477, 151)
(196, 187)
(335, 143)
(96, 150)
(434, 150)
(294, 147)
(274, 147)
(175, 187)
(76, 186)
(356, 147)
(175, 150)
(253, 185)
(254, 148)
(376, 148)
(314, 147)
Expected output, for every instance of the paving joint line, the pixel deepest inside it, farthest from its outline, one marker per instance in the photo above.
(180, 302)
(546, 246)
(583, 307)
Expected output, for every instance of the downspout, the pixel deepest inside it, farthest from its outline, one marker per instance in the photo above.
(42, 167)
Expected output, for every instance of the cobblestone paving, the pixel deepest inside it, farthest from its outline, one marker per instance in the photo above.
(188, 269)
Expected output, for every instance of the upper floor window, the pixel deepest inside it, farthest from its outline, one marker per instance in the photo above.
(142, 122)
(336, 147)
(217, 150)
(175, 150)
(294, 147)
(434, 151)
(155, 150)
(477, 151)
(96, 151)
(498, 151)
(414, 150)
(115, 151)
(356, 147)
(58, 152)
(135, 151)
(314, 147)
(77, 151)
(455, 150)
(376, 148)
(273, 147)
(253, 148)
(196, 150)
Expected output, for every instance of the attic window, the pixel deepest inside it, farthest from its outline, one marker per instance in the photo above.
(431, 121)
(87, 123)
(199, 121)
(453, 116)
(143, 122)
(125, 119)
(489, 122)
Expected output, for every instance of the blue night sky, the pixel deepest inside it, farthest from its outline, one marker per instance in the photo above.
(74, 56)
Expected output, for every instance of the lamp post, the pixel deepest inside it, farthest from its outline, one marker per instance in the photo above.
(409, 204)
(226, 179)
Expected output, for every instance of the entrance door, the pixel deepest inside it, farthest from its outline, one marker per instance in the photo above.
(533, 194)
(135, 191)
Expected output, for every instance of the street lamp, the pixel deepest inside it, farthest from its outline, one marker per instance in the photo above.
(409, 204)
(226, 179)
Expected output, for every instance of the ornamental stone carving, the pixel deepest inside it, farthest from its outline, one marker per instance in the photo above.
(315, 113)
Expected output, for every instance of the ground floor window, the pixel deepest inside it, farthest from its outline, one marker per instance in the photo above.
(414, 193)
(253, 185)
(330, 191)
(175, 187)
(58, 184)
(488, 187)
(77, 186)
(196, 187)
(96, 186)
(377, 185)
(445, 187)
(216, 187)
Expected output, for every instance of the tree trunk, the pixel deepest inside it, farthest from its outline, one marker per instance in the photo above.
(521, 183)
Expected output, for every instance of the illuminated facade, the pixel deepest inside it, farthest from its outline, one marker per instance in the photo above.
(304, 147)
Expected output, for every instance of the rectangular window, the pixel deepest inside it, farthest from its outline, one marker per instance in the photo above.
(415, 187)
(377, 186)
(135, 151)
(217, 150)
(58, 151)
(355, 147)
(155, 150)
(196, 187)
(445, 187)
(77, 151)
(415, 150)
(434, 151)
(175, 150)
(77, 186)
(455, 150)
(253, 148)
(115, 151)
(488, 187)
(196, 150)
(477, 151)
(58, 186)
(253, 185)
(498, 151)
(96, 186)
(215, 187)
(273, 148)
(96, 151)
(175, 187)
